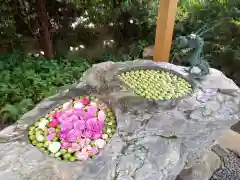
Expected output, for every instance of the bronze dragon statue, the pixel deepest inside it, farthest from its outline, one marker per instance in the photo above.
(192, 47)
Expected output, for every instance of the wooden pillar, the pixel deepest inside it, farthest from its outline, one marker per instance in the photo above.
(164, 30)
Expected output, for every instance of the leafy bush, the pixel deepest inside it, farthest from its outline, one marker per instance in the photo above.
(24, 81)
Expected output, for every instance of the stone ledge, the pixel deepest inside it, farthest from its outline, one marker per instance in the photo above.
(202, 170)
(230, 141)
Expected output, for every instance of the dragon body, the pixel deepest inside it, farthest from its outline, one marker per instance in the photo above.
(192, 46)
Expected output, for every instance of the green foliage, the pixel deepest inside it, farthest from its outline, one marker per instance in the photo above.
(24, 81)
(219, 24)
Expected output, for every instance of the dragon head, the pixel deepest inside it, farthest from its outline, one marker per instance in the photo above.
(189, 44)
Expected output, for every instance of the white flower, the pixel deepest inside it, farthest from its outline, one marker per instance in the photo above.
(84, 149)
(109, 131)
(93, 104)
(54, 147)
(78, 105)
(100, 143)
(40, 138)
(89, 147)
(66, 105)
(43, 123)
(104, 136)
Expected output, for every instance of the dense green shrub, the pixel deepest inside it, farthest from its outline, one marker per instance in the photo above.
(24, 81)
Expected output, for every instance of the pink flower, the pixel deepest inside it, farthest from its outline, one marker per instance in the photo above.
(89, 147)
(87, 141)
(66, 125)
(85, 101)
(54, 123)
(78, 133)
(50, 137)
(93, 151)
(87, 134)
(65, 145)
(82, 155)
(96, 135)
(79, 113)
(63, 134)
(68, 112)
(73, 118)
(84, 149)
(102, 106)
(82, 143)
(101, 116)
(72, 136)
(101, 125)
(93, 125)
(75, 147)
(92, 110)
(79, 125)
(57, 114)
(51, 130)
(89, 112)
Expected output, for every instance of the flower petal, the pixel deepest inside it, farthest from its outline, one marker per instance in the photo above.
(82, 155)
(78, 105)
(101, 116)
(50, 137)
(54, 147)
(100, 143)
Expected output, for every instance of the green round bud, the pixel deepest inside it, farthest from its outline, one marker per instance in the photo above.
(58, 130)
(42, 149)
(55, 139)
(32, 128)
(39, 145)
(32, 137)
(63, 151)
(72, 158)
(36, 124)
(34, 142)
(46, 144)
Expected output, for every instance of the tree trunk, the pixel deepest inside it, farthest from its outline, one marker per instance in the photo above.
(45, 35)
(114, 3)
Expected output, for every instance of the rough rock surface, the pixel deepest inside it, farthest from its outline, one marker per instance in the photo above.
(154, 140)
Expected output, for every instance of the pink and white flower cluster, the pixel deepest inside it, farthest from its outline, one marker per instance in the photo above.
(76, 129)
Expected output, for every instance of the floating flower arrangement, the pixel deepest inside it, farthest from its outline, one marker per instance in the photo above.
(77, 130)
(156, 84)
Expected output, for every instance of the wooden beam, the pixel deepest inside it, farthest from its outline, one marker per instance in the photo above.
(164, 31)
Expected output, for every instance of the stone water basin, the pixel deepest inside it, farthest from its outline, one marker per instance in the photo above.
(152, 141)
